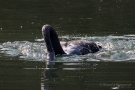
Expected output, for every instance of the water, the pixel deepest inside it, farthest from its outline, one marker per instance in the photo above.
(114, 48)
(23, 63)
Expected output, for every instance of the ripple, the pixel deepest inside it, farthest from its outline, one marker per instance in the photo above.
(115, 48)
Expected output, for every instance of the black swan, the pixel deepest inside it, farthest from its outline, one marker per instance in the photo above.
(54, 47)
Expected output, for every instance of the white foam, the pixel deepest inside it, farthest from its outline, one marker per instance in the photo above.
(115, 48)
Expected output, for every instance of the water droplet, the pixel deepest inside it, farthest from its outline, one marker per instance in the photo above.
(61, 18)
(32, 22)
(21, 27)
(101, 0)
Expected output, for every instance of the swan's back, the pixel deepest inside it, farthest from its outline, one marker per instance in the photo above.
(80, 48)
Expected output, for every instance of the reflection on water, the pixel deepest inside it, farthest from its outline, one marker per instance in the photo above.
(115, 48)
(28, 75)
(88, 75)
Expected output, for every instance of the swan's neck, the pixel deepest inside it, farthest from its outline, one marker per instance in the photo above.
(52, 42)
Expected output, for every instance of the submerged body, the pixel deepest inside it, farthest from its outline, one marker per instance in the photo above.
(54, 46)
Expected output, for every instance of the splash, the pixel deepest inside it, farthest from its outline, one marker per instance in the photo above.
(24, 49)
(115, 48)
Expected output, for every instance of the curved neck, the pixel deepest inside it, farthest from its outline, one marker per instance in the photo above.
(52, 42)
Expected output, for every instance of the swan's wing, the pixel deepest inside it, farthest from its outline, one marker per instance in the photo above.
(92, 47)
(76, 50)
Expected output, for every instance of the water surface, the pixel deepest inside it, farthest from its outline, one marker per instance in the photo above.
(109, 23)
(114, 48)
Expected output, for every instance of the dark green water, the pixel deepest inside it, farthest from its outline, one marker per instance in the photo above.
(21, 20)
(92, 17)
(24, 75)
